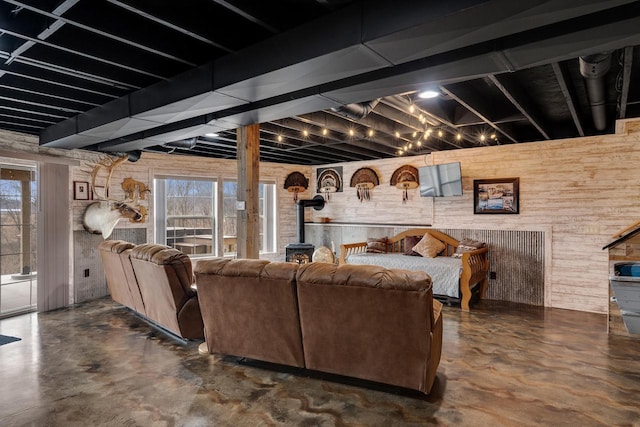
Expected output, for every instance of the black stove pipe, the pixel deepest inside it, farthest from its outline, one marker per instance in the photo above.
(317, 203)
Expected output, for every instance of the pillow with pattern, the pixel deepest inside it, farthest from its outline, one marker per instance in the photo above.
(377, 245)
(409, 243)
(468, 245)
(429, 246)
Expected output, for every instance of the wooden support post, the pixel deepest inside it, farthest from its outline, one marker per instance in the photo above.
(248, 243)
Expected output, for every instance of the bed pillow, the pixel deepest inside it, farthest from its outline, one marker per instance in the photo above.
(429, 246)
(468, 245)
(377, 245)
(409, 243)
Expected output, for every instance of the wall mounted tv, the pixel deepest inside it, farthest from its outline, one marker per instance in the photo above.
(440, 180)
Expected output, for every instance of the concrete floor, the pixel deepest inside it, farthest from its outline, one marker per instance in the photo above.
(97, 364)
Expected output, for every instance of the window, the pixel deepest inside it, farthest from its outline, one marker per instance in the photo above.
(18, 211)
(267, 216)
(185, 214)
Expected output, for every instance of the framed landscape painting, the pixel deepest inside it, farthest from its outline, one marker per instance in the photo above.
(496, 196)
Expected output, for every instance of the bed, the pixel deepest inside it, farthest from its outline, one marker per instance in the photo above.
(453, 278)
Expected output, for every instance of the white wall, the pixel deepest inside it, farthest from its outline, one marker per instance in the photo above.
(580, 190)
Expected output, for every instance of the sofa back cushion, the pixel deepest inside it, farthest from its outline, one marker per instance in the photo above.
(367, 322)
(112, 253)
(250, 309)
(164, 276)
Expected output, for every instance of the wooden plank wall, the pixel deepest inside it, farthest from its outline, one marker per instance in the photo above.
(582, 190)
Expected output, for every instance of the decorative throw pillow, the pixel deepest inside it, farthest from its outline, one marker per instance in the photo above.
(409, 243)
(429, 246)
(468, 245)
(377, 245)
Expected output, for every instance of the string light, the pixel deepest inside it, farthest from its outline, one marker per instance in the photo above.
(325, 131)
(399, 152)
(414, 134)
(412, 109)
(419, 143)
(493, 136)
(458, 136)
(279, 138)
(371, 132)
(482, 137)
(410, 145)
(440, 133)
(305, 133)
(352, 132)
(397, 134)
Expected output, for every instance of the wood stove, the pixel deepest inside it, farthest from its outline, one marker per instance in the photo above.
(302, 252)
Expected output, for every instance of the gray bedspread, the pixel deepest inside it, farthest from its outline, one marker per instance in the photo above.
(444, 271)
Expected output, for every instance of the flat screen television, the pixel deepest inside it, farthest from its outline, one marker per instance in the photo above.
(440, 180)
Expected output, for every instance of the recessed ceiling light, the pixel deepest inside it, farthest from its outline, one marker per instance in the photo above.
(428, 94)
(212, 135)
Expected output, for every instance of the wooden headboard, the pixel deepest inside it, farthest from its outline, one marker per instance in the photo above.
(396, 243)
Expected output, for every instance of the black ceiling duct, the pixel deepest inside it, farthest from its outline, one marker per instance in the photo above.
(593, 68)
(357, 111)
(187, 144)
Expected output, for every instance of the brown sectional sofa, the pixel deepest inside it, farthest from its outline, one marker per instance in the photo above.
(360, 321)
(154, 281)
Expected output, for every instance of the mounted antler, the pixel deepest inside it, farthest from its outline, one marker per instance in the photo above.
(109, 164)
(102, 216)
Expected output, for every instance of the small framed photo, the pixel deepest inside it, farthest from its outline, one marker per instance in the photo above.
(80, 190)
(496, 196)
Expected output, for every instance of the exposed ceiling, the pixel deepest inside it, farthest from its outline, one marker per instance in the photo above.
(328, 80)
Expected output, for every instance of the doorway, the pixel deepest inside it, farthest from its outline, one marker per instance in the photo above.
(18, 212)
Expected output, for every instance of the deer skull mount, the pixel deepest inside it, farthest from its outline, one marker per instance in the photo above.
(101, 217)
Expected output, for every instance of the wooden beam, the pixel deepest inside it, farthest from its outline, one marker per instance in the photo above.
(463, 99)
(248, 209)
(626, 80)
(567, 91)
(520, 100)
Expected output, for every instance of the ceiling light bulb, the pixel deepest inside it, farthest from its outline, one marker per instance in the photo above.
(429, 131)
(325, 131)
(370, 132)
(493, 136)
(440, 133)
(419, 143)
(410, 146)
(351, 132)
(412, 108)
(305, 132)
(212, 135)
(279, 138)
(428, 94)
(414, 134)
(397, 134)
(482, 137)
(399, 152)
(459, 136)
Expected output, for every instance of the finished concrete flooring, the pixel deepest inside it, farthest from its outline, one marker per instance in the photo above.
(98, 364)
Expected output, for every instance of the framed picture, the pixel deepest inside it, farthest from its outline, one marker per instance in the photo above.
(80, 190)
(496, 196)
